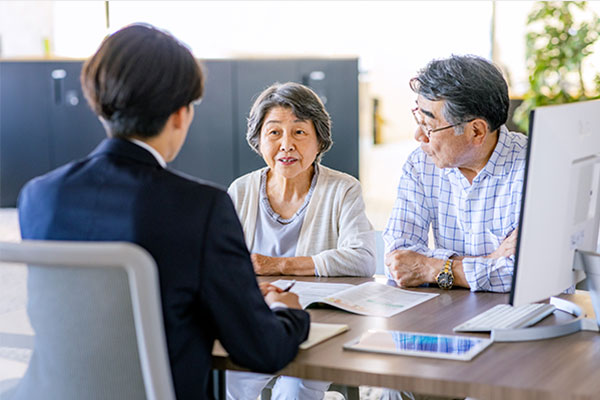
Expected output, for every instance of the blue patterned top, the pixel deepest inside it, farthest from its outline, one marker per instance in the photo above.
(467, 219)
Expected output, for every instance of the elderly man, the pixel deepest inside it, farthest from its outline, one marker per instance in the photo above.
(464, 181)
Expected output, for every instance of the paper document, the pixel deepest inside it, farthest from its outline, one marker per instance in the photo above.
(369, 298)
(312, 292)
(320, 332)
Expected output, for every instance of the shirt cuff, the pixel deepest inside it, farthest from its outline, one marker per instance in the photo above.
(319, 265)
(277, 304)
(469, 265)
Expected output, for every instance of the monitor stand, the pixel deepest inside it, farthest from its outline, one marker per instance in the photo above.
(587, 261)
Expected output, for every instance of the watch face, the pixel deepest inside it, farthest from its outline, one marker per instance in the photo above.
(445, 280)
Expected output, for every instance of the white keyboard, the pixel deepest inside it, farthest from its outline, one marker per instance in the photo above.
(505, 316)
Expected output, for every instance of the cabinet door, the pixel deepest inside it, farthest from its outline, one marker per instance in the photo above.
(208, 149)
(252, 77)
(76, 130)
(336, 83)
(25, 126)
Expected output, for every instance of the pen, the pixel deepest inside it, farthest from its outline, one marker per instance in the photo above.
(291, 285)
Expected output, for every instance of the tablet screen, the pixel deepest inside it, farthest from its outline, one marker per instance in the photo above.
(419, 344)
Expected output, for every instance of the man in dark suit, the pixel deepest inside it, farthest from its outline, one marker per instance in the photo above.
(142, 84)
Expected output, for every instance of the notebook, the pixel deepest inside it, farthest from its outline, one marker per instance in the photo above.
(319, 332)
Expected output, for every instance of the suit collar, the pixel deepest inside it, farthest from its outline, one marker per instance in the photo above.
(126, 149)
(152, 151)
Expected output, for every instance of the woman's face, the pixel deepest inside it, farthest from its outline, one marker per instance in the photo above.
(288, 145)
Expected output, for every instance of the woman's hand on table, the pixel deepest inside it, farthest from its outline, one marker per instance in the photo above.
(265, 265)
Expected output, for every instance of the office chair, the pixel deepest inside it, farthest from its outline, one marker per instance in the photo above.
(96, 312)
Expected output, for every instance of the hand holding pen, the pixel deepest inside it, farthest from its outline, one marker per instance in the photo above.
(266, 287)
(276, 294)
(291, 285)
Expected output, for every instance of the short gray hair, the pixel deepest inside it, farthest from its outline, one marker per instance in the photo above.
(304, 103)
(472, 87)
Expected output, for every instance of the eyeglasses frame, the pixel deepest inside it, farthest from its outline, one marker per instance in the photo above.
(429, 131)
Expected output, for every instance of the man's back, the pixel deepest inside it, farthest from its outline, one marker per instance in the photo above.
(121, 193)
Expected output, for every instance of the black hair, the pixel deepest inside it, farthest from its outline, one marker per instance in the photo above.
(137, 78)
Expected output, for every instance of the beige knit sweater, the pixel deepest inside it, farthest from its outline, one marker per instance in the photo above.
(335, 233)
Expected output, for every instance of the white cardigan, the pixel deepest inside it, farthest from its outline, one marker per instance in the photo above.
(335, 231)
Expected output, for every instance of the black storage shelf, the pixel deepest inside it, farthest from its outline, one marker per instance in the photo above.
(45, 121)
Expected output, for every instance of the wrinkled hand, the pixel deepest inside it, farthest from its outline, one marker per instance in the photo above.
(288, 298)
(409, 268)
(266, 287)
(508, 246)
(265, 265)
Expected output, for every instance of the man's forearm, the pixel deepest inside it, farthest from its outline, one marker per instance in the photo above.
(459, 274)
(489, 274)
(436, 265)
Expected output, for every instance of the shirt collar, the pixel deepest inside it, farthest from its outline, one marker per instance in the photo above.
(496, 165)
(152, 151)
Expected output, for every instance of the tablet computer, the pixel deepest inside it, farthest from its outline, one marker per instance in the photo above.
(452, 347)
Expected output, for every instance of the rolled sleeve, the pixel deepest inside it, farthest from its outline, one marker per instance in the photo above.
(489, 274)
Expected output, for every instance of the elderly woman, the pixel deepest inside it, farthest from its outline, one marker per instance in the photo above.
(299, 217)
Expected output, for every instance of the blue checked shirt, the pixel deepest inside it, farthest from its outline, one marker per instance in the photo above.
(468, 220)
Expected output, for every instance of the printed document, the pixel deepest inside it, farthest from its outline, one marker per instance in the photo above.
(369, 298)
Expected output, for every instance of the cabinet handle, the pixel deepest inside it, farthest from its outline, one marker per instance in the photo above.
(58, 85)
(314, 80)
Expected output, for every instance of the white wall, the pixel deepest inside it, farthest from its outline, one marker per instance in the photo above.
(24, 26)
(392, 39)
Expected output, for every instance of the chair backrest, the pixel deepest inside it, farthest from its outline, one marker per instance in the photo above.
(96, 312)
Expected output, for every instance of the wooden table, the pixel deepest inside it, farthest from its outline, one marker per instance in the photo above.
(561, 368)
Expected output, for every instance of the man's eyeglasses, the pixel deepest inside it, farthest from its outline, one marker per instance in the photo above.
(428, 131)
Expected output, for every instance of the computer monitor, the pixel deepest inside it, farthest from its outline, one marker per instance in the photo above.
(560, 210)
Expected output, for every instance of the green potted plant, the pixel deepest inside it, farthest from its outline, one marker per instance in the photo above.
(556, 45)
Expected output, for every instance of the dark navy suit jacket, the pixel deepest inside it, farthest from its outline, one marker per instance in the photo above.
(208, 288)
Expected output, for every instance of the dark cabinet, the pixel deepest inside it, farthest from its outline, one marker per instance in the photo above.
(208, 149)
(252, 77)
(74, 129)
(336, 83)
(45, 121)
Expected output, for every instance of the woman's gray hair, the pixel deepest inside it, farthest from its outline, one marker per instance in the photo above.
(304, 103)
(472, 87)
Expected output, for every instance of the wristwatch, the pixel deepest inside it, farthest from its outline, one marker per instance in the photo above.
(445, 279)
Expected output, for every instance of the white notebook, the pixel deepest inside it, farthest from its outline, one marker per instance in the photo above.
(320, 332)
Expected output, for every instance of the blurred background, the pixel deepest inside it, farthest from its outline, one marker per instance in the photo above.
(357, 55)
(550, 47)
